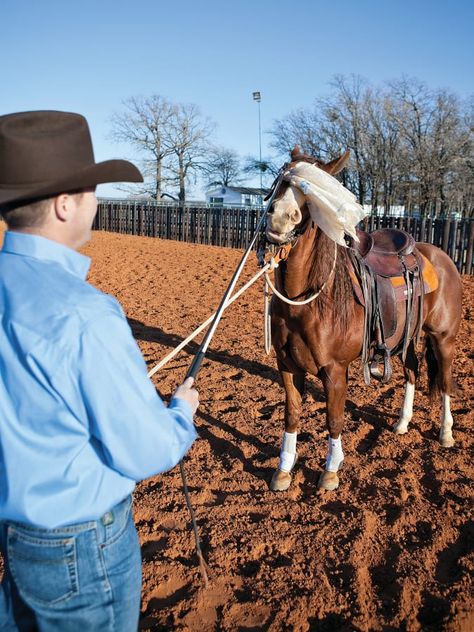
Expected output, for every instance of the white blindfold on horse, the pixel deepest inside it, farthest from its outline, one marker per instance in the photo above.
(331, 206)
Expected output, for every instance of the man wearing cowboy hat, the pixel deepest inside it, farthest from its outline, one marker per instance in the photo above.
(80, 422)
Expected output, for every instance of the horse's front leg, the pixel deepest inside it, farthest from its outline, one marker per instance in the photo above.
(294, 388)
(334, 379)
(410, 370)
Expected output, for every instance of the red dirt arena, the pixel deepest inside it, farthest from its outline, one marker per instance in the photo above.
(391, 549)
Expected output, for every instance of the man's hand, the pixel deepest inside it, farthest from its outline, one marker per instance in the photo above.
(188, 393)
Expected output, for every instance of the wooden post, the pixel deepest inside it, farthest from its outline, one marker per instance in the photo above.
(446, 231)
(470, 246)
(453, 240)
(460, 249)
(437, 240)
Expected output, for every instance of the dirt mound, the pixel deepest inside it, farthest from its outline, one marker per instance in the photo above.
(390, 549)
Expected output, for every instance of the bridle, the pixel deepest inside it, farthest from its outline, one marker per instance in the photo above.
(279, 251)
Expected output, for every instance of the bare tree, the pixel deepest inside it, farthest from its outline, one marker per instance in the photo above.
(410, 145)
(303, 128)
(222, 167)
(335, 123)
(173, 138)
(461, 187)
(345, 125)
(188, 135)
(145, 124)
(436, 144)
(266, 167)
(412, 111)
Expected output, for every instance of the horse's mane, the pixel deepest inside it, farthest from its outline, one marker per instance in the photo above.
(341, 300)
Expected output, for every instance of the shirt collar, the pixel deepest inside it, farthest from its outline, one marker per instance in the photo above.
(46, 250)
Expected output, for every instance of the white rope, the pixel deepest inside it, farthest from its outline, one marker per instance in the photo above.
(197, 331)
(267, 324)
(311, 298)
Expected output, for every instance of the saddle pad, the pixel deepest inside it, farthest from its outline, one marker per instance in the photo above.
(430, 281)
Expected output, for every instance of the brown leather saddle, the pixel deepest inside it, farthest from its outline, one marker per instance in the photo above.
(386, 251)
(388, 268)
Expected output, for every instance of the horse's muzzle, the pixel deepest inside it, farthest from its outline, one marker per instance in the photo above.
(277, 238)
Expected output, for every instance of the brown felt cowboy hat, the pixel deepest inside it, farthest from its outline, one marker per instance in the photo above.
(47, 152)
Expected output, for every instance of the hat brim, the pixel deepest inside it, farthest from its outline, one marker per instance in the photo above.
(97, 173)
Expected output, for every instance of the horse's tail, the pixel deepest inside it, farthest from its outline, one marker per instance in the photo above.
(437, 382)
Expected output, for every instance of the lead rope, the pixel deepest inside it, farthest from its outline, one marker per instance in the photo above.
(198, 330)
(267, 321)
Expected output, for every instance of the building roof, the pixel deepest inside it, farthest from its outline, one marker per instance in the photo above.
(250, 190)
(247, 190)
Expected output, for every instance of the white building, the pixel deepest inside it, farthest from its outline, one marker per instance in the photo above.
(235, 196)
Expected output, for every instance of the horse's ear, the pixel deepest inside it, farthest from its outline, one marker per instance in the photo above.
(295, 152)
(338, 164)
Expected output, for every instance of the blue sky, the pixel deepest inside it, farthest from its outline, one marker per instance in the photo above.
(88, 56)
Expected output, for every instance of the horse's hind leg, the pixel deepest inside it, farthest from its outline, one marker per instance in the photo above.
(439, 357)
(410, 370)
(443, 309)
(294, 388)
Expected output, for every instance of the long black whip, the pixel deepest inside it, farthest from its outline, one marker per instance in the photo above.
(201, 353)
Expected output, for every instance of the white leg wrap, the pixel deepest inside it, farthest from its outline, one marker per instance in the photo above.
(288, 451)
(335, 455)
(406, 412)
(445, 433)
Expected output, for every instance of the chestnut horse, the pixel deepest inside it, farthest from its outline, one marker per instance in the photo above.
(324, 336)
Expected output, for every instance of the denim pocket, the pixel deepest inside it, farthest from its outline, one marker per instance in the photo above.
(44, 568)
(122, 517)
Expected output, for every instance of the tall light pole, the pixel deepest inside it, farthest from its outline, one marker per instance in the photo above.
(258, 97)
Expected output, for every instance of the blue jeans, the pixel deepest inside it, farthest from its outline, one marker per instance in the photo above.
(79, 578)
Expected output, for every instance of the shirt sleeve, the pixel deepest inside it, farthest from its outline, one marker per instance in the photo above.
(139, 435)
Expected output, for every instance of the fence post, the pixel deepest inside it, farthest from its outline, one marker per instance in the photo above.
(453, 234)
(470, 245)
(446, 231)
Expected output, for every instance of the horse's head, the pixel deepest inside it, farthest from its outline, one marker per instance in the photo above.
(289, 208)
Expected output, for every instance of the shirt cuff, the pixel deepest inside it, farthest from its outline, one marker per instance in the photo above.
(183, 407)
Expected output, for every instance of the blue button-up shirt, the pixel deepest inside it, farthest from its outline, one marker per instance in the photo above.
(80, 422)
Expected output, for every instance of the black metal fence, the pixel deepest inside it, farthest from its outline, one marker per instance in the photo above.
(234, 227)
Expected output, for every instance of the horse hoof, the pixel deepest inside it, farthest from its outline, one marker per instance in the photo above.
(446, 441)
(328, 481)
(400, 429)
(280, 481)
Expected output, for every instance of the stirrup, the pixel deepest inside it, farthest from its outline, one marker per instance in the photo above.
(382, 353)
(367, 373)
